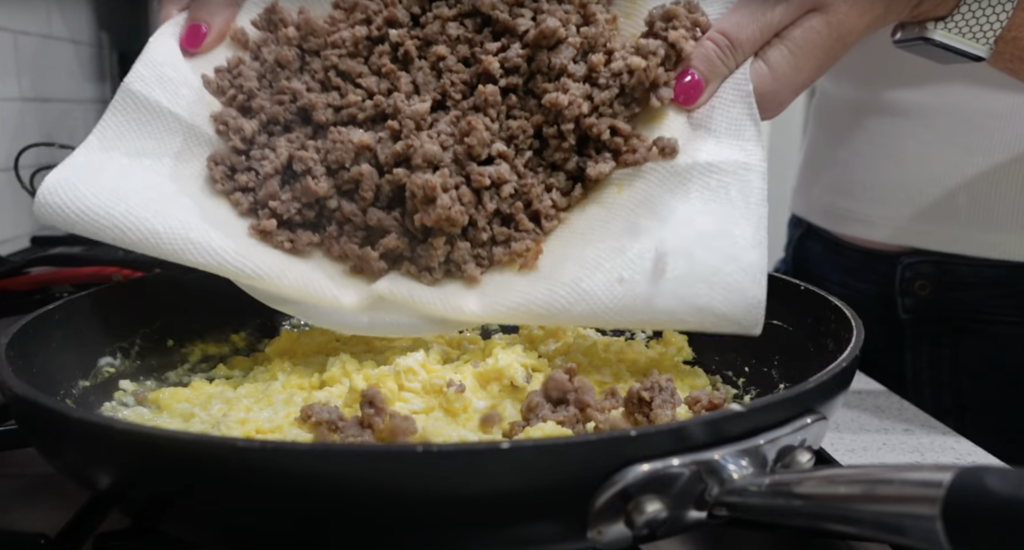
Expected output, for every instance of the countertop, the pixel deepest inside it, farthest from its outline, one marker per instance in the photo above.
(875, 426)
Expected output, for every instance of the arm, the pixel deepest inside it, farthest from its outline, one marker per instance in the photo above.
(1008, 55)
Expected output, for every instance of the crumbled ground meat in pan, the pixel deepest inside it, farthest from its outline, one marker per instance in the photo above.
(707, 400)
(703, 401)
(141, 397)
(570, 401)
(653, 401)
(329, 424)
(457, 387)
(565, 398)
(376, 423)
(490, 421)
(438, 138)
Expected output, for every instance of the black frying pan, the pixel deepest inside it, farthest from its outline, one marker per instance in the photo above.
(528, 494)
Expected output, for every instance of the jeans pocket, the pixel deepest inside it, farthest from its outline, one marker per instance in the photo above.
(962, 291)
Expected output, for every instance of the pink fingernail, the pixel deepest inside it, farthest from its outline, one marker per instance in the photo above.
(689, 88)
(193, 37)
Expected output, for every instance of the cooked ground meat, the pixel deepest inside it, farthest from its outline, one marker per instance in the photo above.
(457, 387)
(437, 138)
(653, 401)
(329, 424)
(604, 422)
(702, 401)
(376, 423)
(489, 421)
(141, 397)
(570, 401)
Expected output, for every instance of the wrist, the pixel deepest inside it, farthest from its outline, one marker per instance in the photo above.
(1008, 55)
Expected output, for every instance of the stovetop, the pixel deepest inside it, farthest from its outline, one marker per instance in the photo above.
(40, 509)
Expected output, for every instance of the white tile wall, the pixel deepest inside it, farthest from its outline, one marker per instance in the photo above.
(57, 70)
(8, 66)
(28, 16)
(73, 19)
(54, 85)
(16, 223)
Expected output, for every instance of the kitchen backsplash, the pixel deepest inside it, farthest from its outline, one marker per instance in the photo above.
(54, 86)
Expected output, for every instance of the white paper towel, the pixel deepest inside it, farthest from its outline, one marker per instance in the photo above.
(673, 244)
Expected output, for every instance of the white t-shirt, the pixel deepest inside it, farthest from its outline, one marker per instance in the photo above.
(906, 152)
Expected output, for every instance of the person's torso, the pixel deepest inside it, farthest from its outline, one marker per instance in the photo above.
(904, 151)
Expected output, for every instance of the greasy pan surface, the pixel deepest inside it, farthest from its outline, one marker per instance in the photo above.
(472, 496)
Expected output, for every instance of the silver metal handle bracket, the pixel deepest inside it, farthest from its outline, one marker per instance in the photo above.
(666, 497)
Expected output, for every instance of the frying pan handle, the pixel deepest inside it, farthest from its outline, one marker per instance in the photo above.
(983, 506)
(924, 507)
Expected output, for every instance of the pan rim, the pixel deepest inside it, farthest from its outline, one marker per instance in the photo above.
(11, 383)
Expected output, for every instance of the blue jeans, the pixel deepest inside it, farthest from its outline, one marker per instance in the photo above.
(944, 332)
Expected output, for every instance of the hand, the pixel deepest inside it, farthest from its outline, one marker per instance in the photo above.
(208, 24)
(792, 43)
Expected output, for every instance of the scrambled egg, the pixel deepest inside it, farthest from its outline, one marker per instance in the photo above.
(259, 396)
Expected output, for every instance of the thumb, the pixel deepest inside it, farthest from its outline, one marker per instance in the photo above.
(733, 39)
(208, 24)
(170, 8)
